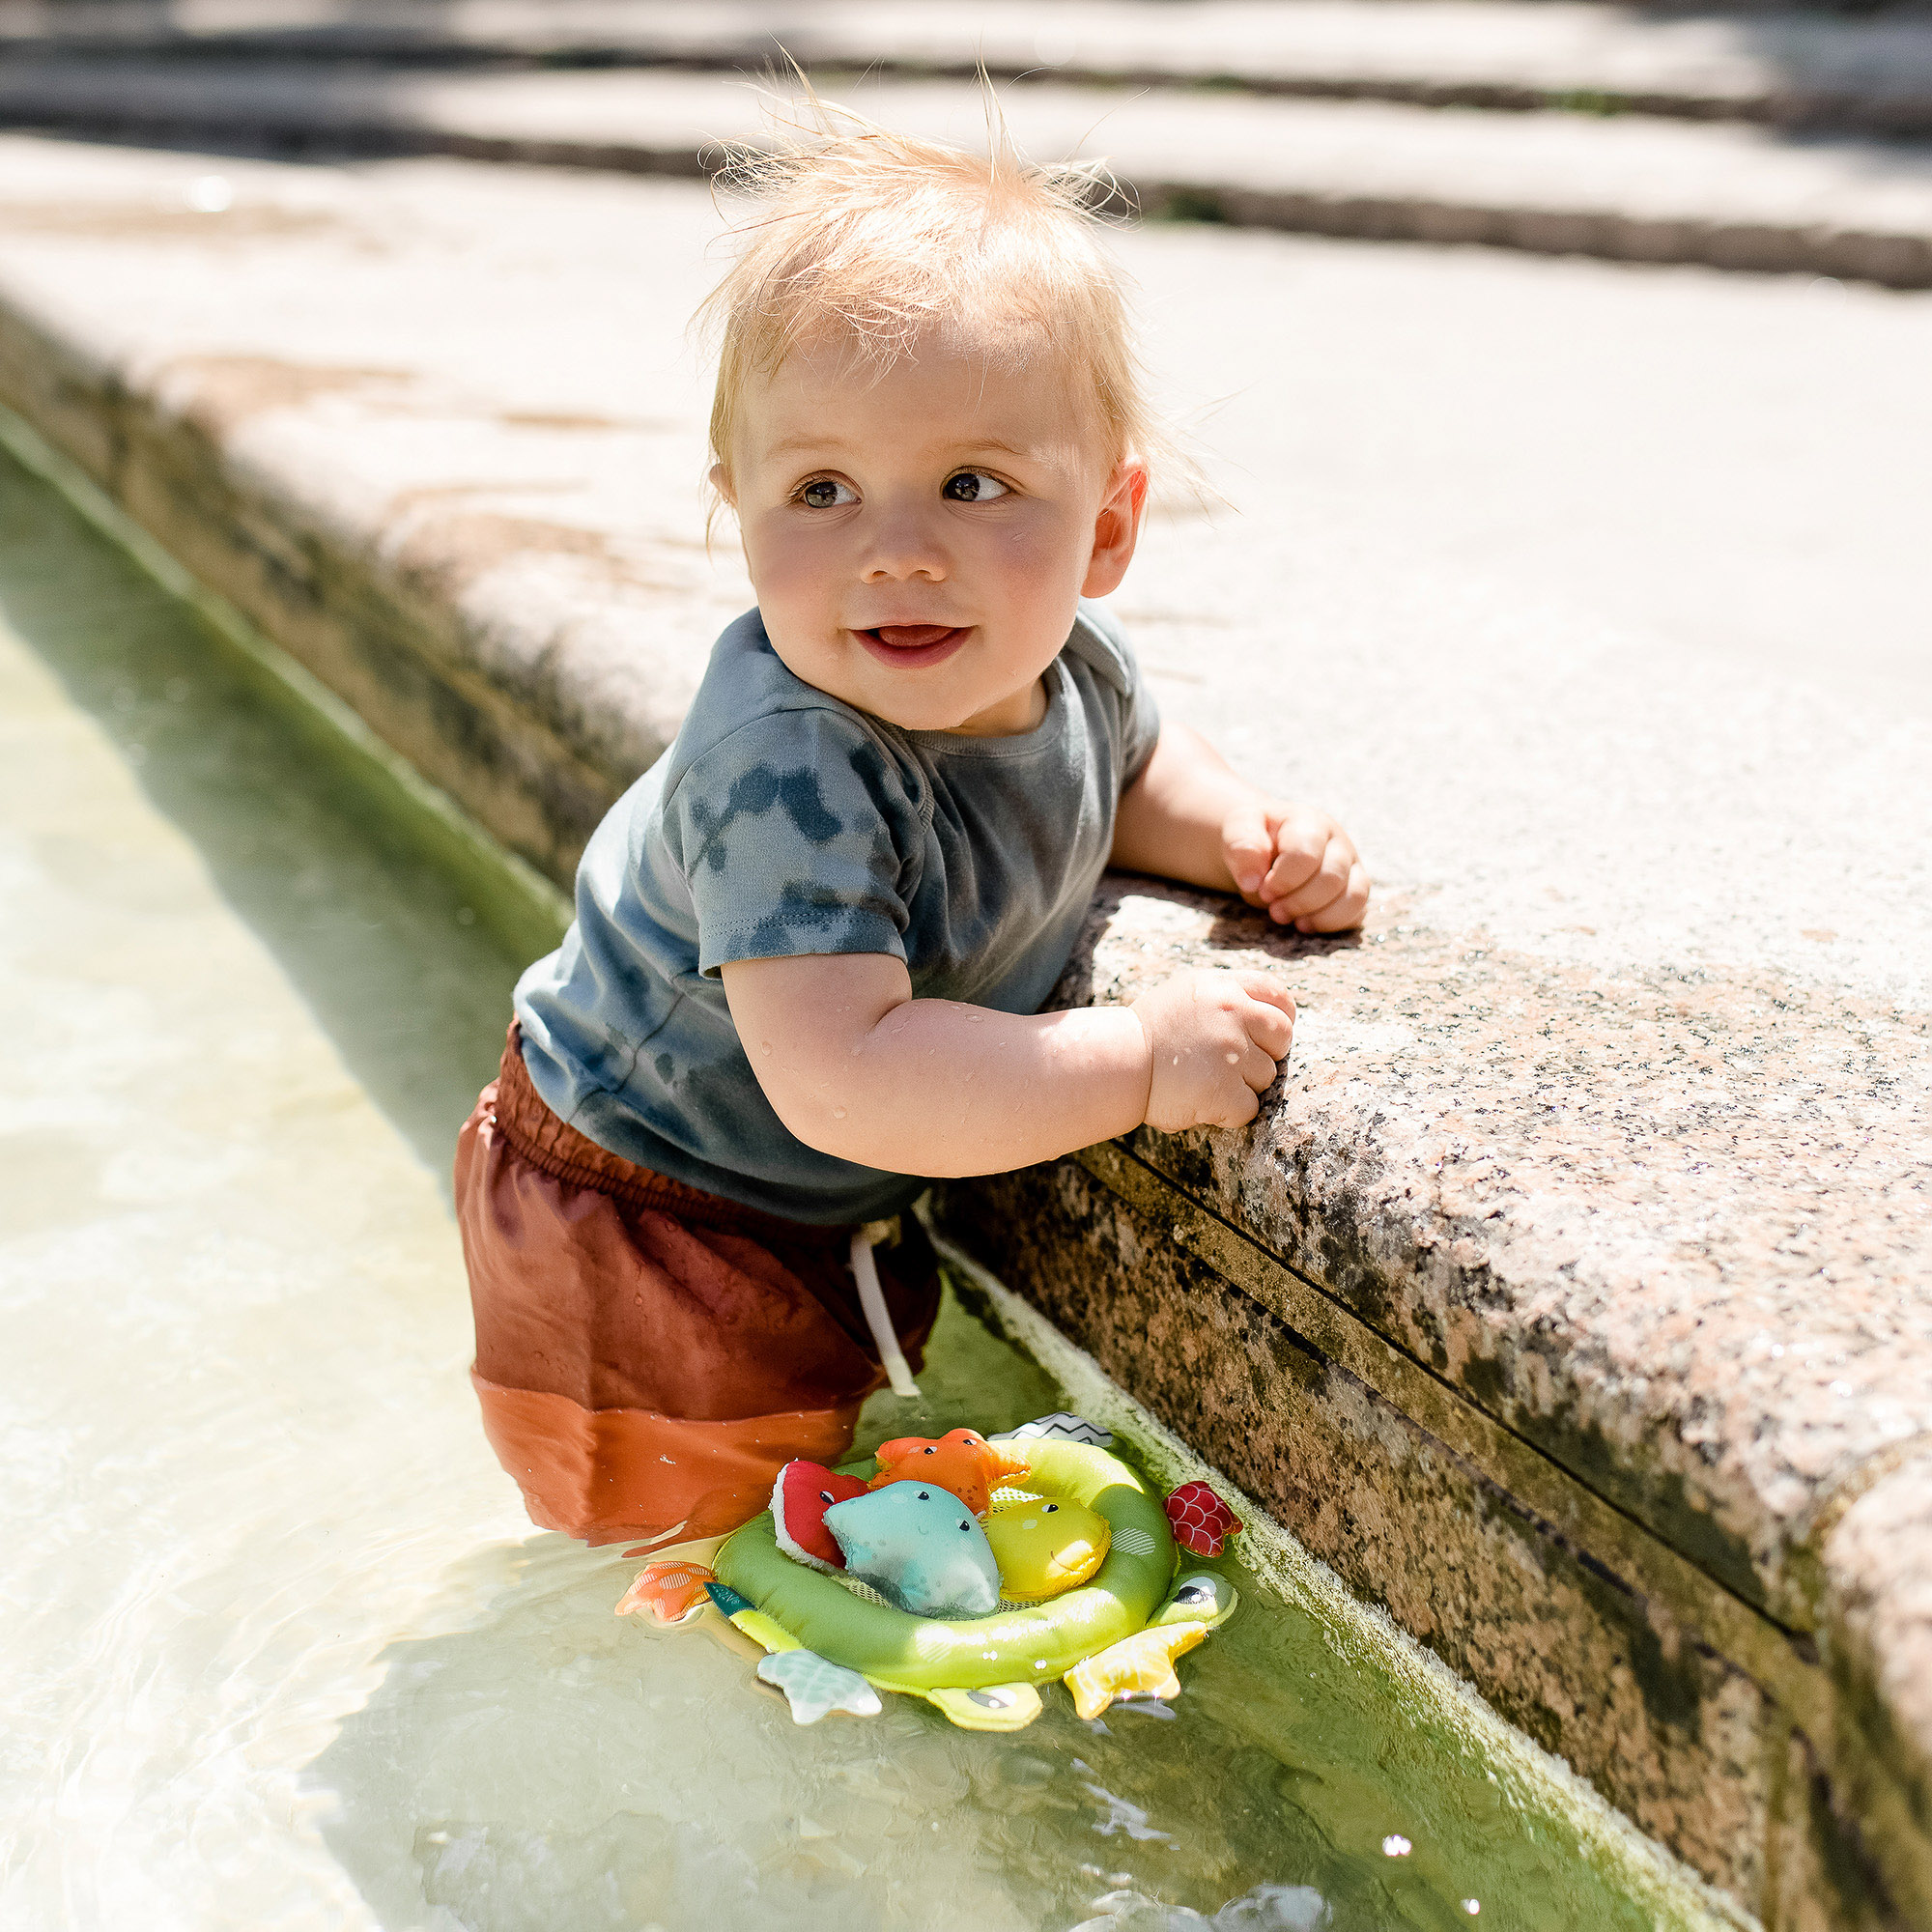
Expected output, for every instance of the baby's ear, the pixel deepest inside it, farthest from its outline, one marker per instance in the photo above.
(719, 480)
(1118, 526)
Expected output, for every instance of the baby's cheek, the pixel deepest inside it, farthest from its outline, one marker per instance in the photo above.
(789, 572)
(1034, 573)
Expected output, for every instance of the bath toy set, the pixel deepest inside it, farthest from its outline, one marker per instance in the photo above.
(964, 1570)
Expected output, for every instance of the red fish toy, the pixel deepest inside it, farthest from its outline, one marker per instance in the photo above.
(800, 1498)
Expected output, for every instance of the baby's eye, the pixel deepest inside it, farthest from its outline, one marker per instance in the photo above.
(826, 493)
(971, 486)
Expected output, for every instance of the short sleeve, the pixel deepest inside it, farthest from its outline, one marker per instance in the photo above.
(1100, 641)
(785, 831)
(1140, 730)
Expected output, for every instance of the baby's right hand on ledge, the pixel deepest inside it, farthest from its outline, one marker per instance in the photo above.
(1215, 1041)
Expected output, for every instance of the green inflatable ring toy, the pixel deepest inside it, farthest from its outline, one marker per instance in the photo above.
(901, 1652)
(832, 1645)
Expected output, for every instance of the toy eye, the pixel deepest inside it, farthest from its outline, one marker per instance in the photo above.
(1052, 1509)
(825, 1495)
(926, 1495)
(965, 1525)
(928, 1452)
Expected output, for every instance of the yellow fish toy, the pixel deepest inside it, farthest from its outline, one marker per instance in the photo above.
(1045, 1546)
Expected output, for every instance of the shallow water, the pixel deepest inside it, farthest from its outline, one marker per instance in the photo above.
(279, 1648)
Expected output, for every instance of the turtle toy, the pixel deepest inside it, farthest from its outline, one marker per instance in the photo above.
(968, 1573)
(1200, 1521)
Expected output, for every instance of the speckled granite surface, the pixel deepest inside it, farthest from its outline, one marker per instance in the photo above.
(1591, 598)
(1506, 1169)
(1674, 1227)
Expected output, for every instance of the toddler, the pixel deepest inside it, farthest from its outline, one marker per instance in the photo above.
(810, 941)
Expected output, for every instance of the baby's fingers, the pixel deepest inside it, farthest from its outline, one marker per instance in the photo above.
(1343, 913)
(1259, 1067)
(1269, 1017)
(1299, 842)
(1327, 884)
(1263, 986)
(1241, 1107)
(1247, 849)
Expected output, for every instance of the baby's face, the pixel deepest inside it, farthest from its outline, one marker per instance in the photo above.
(918, 539)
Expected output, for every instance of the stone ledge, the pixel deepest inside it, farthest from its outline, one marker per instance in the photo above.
(1523, 1303)
(1624, 189)
(530, 666)
(1785, 67)
(1494, 1162)
(1581, 1360)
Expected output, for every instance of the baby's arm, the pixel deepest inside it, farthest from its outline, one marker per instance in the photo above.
(1188, 817)
(855, 1066)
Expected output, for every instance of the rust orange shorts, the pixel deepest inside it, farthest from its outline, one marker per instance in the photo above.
(649, 1355)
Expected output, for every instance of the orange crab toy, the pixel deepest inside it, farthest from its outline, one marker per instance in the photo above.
(961, 1461)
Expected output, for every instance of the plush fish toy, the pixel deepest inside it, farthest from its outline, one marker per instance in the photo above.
(800, 1498)
(921, 1548)
(1045, 1546)
(961, 1461)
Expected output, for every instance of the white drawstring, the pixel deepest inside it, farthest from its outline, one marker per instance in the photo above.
(873, 1299)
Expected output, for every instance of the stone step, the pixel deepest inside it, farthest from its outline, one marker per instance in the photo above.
(1569, 1295)
(1872, 74)
(1630, 188)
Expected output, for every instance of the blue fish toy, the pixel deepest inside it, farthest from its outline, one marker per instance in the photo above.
(921, 1548)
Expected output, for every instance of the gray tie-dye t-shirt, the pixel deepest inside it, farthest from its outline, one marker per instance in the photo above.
(783, 822)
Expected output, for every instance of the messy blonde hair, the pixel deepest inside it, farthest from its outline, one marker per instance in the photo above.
(882, 234)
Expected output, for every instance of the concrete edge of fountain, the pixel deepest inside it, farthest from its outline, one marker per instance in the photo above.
(509, 895)
(1810, 1692)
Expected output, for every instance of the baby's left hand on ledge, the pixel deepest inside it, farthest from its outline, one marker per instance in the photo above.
(1296, 865)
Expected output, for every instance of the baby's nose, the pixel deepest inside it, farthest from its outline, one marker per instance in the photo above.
(904, 548)
(902, 569)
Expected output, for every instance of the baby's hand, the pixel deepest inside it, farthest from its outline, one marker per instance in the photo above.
(1216, 1039)
(1300, 864)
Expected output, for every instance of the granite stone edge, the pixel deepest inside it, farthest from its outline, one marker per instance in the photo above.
(499, 721)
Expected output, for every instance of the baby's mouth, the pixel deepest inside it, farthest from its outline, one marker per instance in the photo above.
(909, 647)
(910, 637)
